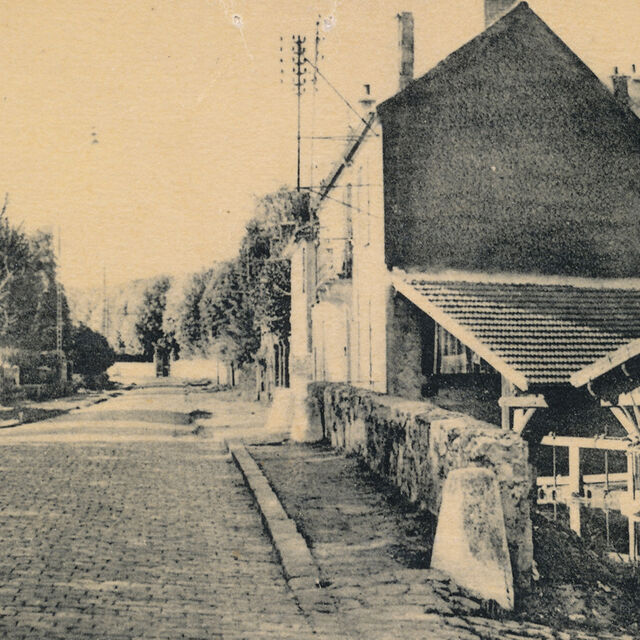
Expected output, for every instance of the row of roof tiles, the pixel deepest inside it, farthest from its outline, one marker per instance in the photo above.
(542, 333)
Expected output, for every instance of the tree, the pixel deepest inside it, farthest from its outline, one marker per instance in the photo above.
(89, 351)
(28, 289)
(149, 325)
(252, 292)
(189, 328)
(227, 319)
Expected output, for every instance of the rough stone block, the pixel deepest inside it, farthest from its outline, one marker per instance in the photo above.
(415, 444)
(471, 541)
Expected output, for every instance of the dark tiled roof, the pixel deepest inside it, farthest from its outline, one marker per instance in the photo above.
(545, 332)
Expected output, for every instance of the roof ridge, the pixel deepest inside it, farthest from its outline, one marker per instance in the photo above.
(496, 28)
(455, 275)
(499, 25)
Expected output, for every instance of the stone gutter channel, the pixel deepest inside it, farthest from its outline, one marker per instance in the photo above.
(300, 570)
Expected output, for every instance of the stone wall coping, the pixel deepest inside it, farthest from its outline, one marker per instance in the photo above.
(423, 410)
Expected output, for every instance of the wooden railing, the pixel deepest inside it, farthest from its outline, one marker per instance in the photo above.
(607, 491)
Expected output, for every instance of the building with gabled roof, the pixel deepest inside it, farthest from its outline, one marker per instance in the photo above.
(509, 157)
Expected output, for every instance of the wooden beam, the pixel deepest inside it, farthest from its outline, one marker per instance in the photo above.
(575, 517)
(507, 392)
(606, 363)
(606, 444)
(524, 402)
(588, 479)
(631, 399)
(633, 540)
(521, 418)
(630, 475)
(575, 471)
(625, 419)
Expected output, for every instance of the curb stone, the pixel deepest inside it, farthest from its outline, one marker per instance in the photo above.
(300, 570)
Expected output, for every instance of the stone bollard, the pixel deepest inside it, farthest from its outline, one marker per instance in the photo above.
(279, 417)
(305, 426)
(471, 542)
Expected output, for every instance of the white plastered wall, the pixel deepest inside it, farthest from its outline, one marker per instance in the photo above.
(353, 331)
(370, 276)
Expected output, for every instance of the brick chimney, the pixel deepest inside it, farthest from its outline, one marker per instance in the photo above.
(405, 31)
(495, 9)
(621, 87)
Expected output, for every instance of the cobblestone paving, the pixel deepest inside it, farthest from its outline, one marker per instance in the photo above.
(134, 540)
(372, 558)
(117, 522)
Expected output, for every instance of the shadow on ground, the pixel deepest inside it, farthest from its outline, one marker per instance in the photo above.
(157, 416)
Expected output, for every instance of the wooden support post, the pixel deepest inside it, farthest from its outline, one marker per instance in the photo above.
(575, 472)
(633, 540)
(632, 475)
(518, 420)
(575, 517)
(523, 407)
(507, 391)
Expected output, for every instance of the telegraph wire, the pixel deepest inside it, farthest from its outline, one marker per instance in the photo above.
(342, 202)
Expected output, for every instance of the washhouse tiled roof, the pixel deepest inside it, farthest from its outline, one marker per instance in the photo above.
(539, 331)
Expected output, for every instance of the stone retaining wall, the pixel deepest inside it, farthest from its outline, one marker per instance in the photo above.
(415, 445)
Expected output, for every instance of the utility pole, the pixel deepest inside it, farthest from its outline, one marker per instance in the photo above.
(314, 82)
(105, 304)
(59, 300)
(299, 71)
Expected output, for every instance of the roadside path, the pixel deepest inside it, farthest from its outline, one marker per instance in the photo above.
(128, 520)
(372, 554)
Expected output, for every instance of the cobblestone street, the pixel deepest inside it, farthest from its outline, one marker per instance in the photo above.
(128, 519)
(133, 529)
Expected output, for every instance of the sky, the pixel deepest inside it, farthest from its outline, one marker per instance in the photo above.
(144, 130)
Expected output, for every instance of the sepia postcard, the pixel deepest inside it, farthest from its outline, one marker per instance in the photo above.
(320, 319)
